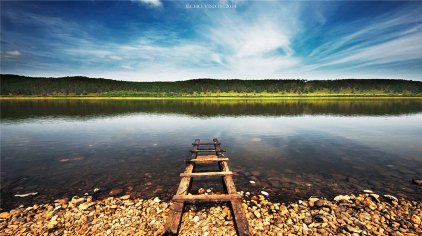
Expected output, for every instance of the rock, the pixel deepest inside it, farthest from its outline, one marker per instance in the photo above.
(96, 190)
(209, 191)
(417, 181)
(201, 191)
(196, 218)
(391, 197)
(63, 201)
(257, 214)
(156, 200)
(375, 197)
(125, 197)
(85, 205)
(307, 220)
(4, 215)
(416, 219)
(264, 193)
(342, 198)
(115, 191)
(312, 201)
(76, 201)
(320, 203)
(254, 198)
(353, 229)
(26, 194)
(368, 191)
(252, 182)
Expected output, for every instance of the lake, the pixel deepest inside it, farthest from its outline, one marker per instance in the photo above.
(292, 148)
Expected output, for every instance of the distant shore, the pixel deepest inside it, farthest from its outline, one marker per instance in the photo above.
(79, 86)
(362, 214)
(211, 97)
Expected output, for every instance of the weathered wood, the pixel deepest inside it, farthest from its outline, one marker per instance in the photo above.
(206, 150)
(176, 210)
(228, 180)
(208, 160)
(240, 219)
(174, 218)
(204, 174)
(216, 197)
(197, 144)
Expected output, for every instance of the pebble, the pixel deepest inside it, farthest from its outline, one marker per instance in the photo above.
(264, 193)
(115, 191)
(352, 215)
(4, 215)
(417, 181)
(320, 203)
(26, 194)
(342, 198)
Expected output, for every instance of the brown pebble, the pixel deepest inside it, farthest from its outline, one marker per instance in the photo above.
(115, 191)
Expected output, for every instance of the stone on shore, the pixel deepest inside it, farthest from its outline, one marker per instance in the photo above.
(351, 215)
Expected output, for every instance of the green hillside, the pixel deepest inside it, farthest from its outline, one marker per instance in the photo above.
(14, 85)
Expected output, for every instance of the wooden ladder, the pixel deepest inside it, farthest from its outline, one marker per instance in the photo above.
(176, 210)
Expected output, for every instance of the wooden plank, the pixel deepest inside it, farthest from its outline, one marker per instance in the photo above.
(214, 197)
(197, 144)
(206, 157)
(205, 174)
(206, 150)
(176, 210)
(240, 220)
(209, 160)
(174, 218)
(228, 180)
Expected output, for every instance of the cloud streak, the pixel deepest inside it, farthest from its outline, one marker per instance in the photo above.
(259, 40)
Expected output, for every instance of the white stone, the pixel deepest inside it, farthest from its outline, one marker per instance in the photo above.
(264, 193)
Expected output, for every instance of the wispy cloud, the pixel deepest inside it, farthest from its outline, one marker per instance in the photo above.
(259, 40)
(152, 3)
(11, 55)
(389, 38)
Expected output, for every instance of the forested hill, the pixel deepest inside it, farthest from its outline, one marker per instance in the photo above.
(14, 85)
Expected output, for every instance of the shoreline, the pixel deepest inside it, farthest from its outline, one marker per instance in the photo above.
(208, 97)
(362, 214)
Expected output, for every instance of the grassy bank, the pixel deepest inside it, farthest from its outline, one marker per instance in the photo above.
(258, 98)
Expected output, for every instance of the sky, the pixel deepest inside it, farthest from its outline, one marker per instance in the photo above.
(156, 40)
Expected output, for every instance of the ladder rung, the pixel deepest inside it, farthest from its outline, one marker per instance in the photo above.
(201, 174)
(197, 144)
(207, 150)
(216, 197)
(204, 160)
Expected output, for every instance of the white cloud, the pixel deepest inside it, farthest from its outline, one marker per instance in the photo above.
(114, 57)
(127, 67)
(11, 54)
(153, 3)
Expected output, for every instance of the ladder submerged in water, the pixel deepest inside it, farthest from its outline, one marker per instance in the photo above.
(231, 195)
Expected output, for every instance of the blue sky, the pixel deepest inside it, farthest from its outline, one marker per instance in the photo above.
(149, 40)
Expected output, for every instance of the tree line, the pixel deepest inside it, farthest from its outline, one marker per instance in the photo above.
(15, 85)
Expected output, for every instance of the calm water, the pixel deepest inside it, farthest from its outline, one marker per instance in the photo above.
(293, 149)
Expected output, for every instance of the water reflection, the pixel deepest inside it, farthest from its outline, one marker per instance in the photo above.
(22, 109)
(292, 149)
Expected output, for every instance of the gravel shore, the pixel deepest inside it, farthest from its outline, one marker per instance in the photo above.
(364, 214)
